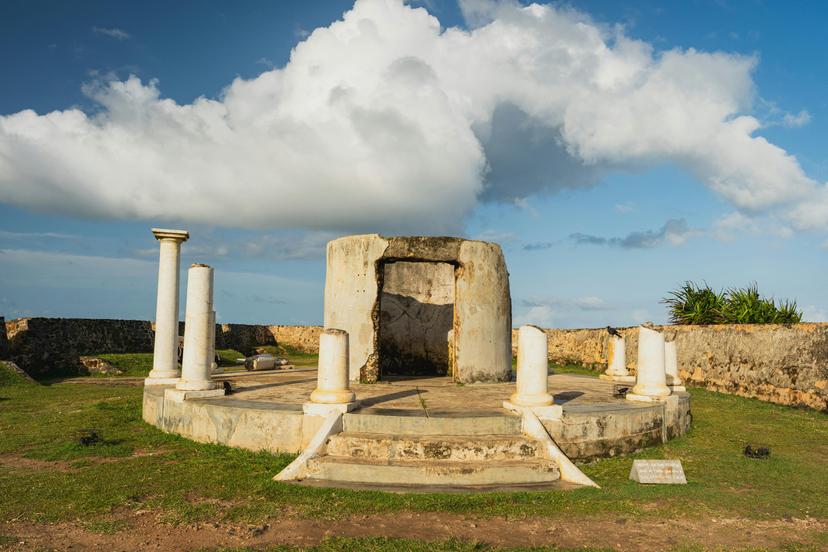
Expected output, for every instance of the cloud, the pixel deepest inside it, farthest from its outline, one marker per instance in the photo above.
(538, 246)
(277, 247)
(812, 313)
(544, 311)
(113, 32)
(625, 207)
(386, 121)
(674, 232)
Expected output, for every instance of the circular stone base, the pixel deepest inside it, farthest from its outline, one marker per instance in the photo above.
(265, 412)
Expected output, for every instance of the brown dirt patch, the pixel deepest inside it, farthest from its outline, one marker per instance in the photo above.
(145, 531)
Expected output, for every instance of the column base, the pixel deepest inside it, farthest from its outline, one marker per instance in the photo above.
(646, 398)
(323, 409)
(617, 379)
(181, 395)
(323, 396)
(206, 385)
(160, 381)
(549, 412)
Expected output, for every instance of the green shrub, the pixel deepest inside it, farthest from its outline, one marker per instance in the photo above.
(695, 304)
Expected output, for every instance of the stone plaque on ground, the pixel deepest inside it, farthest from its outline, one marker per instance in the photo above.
(664, 472)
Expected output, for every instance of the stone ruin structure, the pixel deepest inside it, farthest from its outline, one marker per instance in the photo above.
(421, 306)
(409, 306)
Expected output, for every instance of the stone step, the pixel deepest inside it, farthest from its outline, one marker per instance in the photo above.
(432, 472)
(379, 446)
(434, 425)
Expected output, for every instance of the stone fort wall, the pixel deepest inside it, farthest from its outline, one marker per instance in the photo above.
(776, 363)
(781, 364)
(52, 346)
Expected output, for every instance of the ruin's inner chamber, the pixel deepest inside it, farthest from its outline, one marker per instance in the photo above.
(416, 318)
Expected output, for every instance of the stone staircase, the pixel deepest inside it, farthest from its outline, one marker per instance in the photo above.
(383, 451)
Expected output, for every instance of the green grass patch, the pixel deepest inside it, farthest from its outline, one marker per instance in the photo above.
(131, 364)
(140, 364)
(8, 376)
(48, 475)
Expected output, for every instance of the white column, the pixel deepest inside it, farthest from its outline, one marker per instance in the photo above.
(195, 367)
(617, 360)
(165, 357)
(332, 391)
(532, 368)
(214, 367)
(650, 378)
(671, 366)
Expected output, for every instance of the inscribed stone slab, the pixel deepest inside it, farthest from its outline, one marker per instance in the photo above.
(664, 472)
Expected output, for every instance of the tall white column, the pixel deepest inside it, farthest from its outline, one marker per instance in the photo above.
(671, 366)
(650, 378)
(617, 360)
(332, 391)
(196, 365)
(165, 357)
(214, 367)
(532, 368)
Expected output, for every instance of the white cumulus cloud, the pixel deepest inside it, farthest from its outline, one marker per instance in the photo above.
(384, 120)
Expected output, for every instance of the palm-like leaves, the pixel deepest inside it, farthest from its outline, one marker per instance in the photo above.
(695, 304)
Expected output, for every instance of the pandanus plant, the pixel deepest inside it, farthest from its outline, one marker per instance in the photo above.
(700, 304)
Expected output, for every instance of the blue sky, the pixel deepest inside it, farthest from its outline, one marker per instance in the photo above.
(598, 220)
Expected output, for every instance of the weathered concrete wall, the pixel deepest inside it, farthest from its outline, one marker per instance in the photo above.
(585, 433)
(304, 339)
(482, 309)
(53, 346)
(236, 425)
(776, 363)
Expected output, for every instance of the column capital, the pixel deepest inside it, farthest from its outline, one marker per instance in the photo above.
(165, 234)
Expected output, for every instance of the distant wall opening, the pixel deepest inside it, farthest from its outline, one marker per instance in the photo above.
(416, 318)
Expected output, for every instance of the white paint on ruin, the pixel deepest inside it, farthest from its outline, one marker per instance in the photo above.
(197, 363)
(165, 357)
(332, 387)
(470, 274)
(671, 366)
(651, 378)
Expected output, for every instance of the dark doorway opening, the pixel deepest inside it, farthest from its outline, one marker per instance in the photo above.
(416, 319)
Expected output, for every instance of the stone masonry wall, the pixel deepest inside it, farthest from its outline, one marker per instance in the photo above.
(4, 341)
(780, 364)
(53, 346)
(304, 339)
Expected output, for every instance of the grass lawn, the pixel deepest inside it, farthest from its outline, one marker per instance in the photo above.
(46, 475)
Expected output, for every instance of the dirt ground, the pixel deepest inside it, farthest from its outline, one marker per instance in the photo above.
(142, 530)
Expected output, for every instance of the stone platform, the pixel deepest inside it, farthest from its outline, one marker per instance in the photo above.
(265, 413)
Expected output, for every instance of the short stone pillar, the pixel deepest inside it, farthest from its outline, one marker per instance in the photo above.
(165, 356)
(332, 393)
(650, 379)
(617, 360)
(671, 366)
(532, 379)
(214, 366)
(195, 367)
